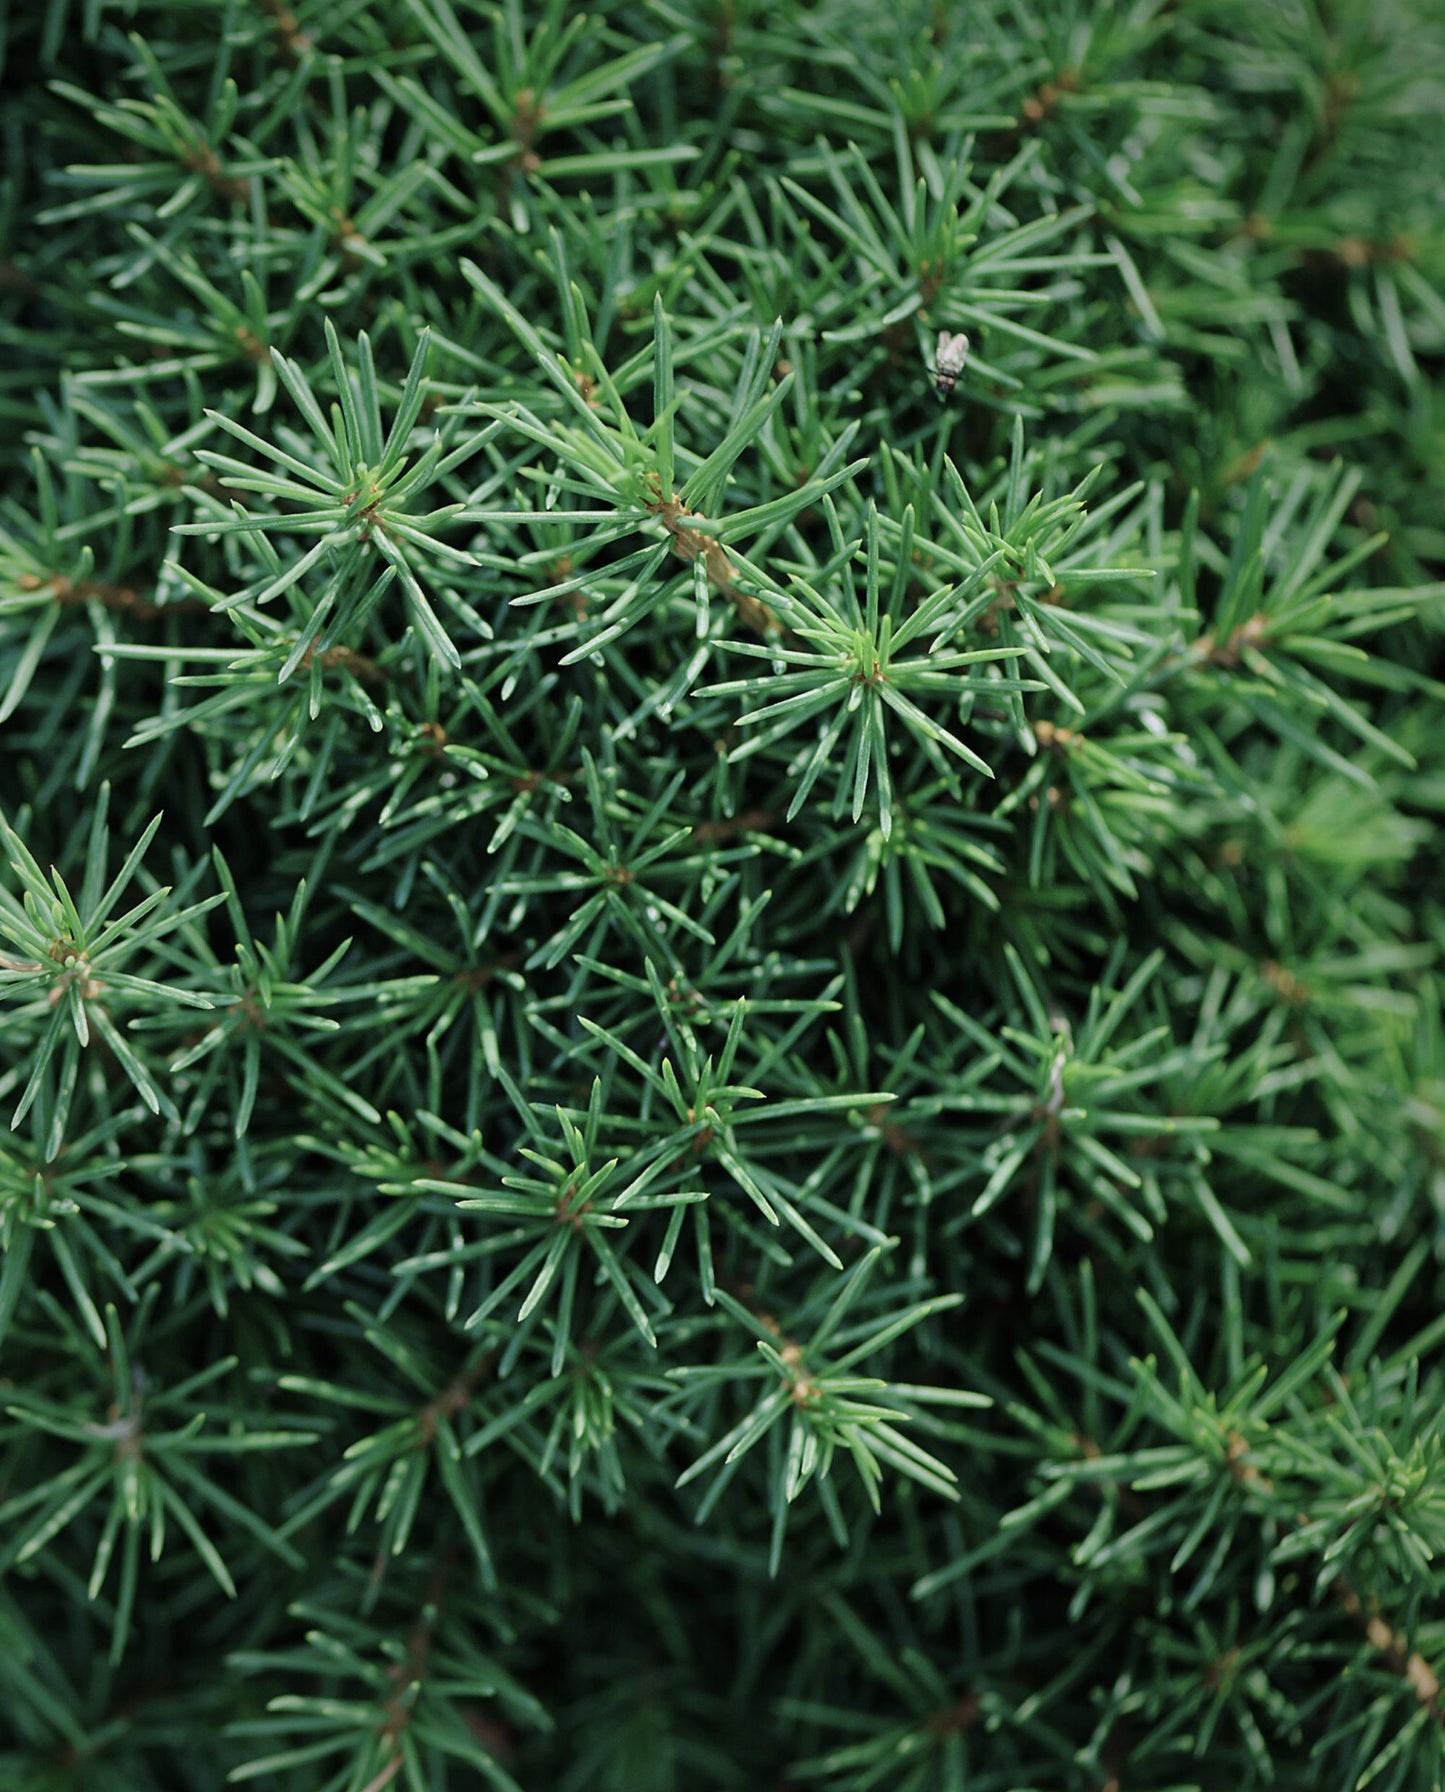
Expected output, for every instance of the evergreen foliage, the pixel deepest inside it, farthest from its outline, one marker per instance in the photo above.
(718, 1073)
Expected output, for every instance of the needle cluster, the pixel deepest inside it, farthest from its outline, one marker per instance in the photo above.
(720, 939)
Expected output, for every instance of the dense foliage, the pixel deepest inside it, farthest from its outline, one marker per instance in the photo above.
(725, 1073)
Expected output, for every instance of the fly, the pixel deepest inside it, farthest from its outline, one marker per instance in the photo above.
(948, 360)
